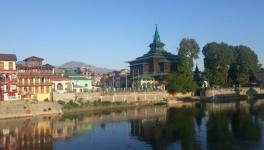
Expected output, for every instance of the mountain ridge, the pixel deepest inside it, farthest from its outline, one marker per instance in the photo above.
(75, 64)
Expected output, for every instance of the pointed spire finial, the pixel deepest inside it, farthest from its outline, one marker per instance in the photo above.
(156, 38)
(196, 68)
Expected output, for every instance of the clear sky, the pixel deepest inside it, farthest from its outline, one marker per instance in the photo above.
(107, 33)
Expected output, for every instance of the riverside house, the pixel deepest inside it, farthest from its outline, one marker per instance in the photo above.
(79, 82)
(8, 77)
(34, 79)
(61, 84)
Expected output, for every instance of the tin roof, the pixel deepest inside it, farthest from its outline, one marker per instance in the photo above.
(34, 58)
(8, 57)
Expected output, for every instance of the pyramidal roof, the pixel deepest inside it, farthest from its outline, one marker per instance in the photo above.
(156, 38)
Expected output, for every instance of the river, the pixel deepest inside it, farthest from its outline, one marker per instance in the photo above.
(236, 125)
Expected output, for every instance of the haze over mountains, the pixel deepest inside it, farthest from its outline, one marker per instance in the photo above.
(76, 64)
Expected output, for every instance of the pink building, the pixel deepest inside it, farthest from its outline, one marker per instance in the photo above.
(8, 77)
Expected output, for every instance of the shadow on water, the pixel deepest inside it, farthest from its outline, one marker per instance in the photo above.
(216, 126)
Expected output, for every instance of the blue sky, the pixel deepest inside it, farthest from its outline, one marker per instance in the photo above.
(107, 33)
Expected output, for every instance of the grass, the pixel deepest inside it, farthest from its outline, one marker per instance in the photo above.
(72, 105)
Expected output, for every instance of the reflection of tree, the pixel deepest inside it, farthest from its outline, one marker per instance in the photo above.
(224, 128)
(179, 125)
(199, 115)
(245, 127)
(151, 131)
(218, 133)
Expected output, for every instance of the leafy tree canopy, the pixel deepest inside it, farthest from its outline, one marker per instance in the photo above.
(245, 64)
(223, 62)
(182, 80)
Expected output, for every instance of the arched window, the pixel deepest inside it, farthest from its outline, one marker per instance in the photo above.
(59, 86)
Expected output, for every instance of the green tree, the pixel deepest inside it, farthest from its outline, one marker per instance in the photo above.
(1, 77)
(217, 60)
(244, 66)
(182, 80)
(189, 48)
(177, 82)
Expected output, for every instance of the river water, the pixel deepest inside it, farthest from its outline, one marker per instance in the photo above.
(237, 125)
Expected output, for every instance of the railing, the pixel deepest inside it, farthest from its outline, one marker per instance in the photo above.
(33, 84)
(105, 91)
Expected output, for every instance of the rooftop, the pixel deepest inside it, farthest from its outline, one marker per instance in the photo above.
(8, 57)
(78, 78)
(33, 58)
(59, 78)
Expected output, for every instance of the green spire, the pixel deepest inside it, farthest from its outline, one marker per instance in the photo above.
(156, 38)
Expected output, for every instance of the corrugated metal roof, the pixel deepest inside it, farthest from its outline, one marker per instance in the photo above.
(8, 57)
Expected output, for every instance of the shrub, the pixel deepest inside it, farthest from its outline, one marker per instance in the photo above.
(61, 102)
(70, 105)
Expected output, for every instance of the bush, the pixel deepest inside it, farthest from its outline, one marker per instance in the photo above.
(119, 103)
(46, 100)
(61, 102)
(262, 85)
(70, 105)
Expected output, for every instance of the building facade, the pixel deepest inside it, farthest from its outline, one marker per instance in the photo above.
(79, 82)
(260, 75)
(61, 84)
(34, 79)
(8, 77)
(154, 65)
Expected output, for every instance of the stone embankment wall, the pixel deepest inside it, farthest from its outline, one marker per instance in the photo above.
(224, 91)
(16, 109)
(128, 97)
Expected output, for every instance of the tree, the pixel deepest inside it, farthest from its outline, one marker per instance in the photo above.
(189, 49)
(217, 60)
(177, 82)
(244, 66)
(182, 80)
(1, 77)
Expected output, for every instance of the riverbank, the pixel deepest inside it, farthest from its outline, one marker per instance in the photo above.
(109, 107)
(18, 109)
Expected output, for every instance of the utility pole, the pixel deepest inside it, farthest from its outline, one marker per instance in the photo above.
(113, 83)
(126, 81)
(138, 78)
(133, 84)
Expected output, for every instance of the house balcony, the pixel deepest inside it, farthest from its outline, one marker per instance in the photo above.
(34, 74)
(8, 81)
(20, 84)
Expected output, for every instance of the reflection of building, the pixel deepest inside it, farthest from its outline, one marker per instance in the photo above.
(37, 136)
(156, 64)
(34, 79)
(8, 78)
(61, 84)
(80, 83)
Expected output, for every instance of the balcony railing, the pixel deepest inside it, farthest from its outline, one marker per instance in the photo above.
(8, 81)
(33, 84)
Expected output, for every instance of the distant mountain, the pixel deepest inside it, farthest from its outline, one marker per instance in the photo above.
(76, 64)
(20, 62)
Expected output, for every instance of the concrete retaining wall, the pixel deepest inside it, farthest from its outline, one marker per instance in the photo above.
(125, 97)
(223, 91)
(15, 109)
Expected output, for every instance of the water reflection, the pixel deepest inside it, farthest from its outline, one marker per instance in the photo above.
(26, 135)
(236, 125)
